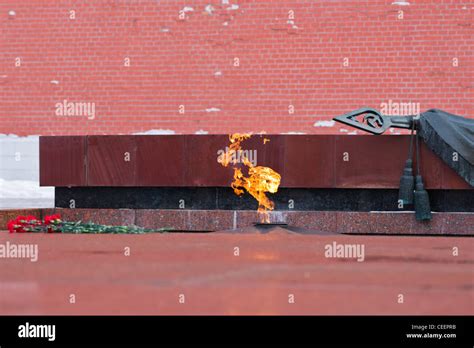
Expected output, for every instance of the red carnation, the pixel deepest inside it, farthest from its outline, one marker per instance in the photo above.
(11, 226)
(32, 220)
(17, 225)
(21, 219)
(51, 220)
(23, 224)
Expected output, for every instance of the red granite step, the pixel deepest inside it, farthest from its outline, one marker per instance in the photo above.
(396, 223)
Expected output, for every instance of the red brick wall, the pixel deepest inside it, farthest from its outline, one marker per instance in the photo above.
(174, 62)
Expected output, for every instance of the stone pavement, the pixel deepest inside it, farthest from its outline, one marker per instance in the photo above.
(199, 273)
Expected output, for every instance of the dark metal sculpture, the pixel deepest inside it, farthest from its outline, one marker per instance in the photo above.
(374, 122)
(445, 134)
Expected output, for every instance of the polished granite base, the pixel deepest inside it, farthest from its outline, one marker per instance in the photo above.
(224, 198)
(184, 220)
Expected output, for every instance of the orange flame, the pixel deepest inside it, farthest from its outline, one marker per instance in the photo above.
(259, 179)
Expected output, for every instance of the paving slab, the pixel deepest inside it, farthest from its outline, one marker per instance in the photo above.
(274, 273)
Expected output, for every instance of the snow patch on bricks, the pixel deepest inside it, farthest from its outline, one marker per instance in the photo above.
(156, 132)
(201, 131)
(401, 3)
(324, 123)
(393, 131)
(295, 133)
(233, 7)
(209, 9)
(187, 9)
(32, 136)
(213, 110)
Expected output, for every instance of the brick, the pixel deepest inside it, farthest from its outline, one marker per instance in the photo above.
(174, 62)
